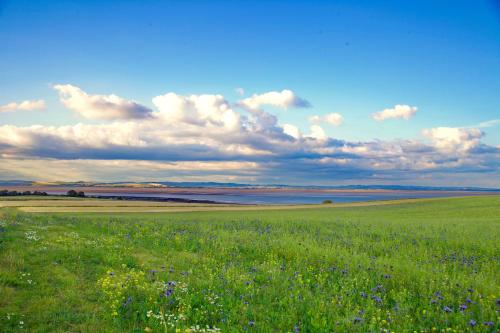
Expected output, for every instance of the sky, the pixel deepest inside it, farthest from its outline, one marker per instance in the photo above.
(259, 92)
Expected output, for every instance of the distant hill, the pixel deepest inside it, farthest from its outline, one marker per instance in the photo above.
(166, 184)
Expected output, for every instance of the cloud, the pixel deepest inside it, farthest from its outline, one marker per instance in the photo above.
(317, 132)
(240, 91)
(26, 105)
(283, 99)
(334, 119)
(398, 111)
(141, 170)
(198, 110)
(489, 123)
(202, 137)
(292, 131)
(104, 107)
(454, 139)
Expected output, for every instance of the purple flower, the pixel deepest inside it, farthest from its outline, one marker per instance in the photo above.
(357, 319)
(447, 309)
(251, 323)
(433, 301)
(468, 300)
(296, 329)
(472, 322)
(463, 307)
(488, 323)
(127, 302)
(377, 299)
(387, 276)
(363, 294)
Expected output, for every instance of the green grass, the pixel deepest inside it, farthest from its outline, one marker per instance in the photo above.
(372, 268)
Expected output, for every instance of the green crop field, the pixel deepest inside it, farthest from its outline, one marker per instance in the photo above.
(420, 265)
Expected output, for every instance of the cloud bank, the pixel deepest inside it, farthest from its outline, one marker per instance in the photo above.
(206, 137)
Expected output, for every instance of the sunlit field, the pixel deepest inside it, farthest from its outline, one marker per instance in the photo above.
(421, 265)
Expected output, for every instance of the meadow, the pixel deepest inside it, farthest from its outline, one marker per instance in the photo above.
(429, 265)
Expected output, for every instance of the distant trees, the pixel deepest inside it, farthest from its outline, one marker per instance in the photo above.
(73, 193)
(327, 202)
(7, 193)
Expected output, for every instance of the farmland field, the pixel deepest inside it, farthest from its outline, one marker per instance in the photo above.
(419, 265)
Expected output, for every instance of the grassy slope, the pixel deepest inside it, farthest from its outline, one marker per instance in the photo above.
(255, 270)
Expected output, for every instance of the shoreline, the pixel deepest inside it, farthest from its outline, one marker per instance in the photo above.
(56, 189)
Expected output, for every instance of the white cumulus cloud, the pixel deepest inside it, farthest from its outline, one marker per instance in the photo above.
(199, 110)
(317, 132)
(398, 111)
(105, 107)
(454, 139)
(26, 105)
(292, 130)
(281, 99)
(334, 119)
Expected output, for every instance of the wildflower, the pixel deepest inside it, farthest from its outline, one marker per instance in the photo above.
(251, 323)
(296, 329)
(127, 302)
(472, 322)
(377, 299)
(488, 323)
(463, 307)
(357, 319)
(440, 297)
(447, 309)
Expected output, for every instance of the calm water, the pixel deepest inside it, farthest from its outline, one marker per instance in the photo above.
(287, 197)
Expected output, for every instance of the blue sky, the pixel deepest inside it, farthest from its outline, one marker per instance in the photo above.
(442, 57)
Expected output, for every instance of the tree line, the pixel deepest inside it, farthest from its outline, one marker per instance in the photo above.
(70, 193)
